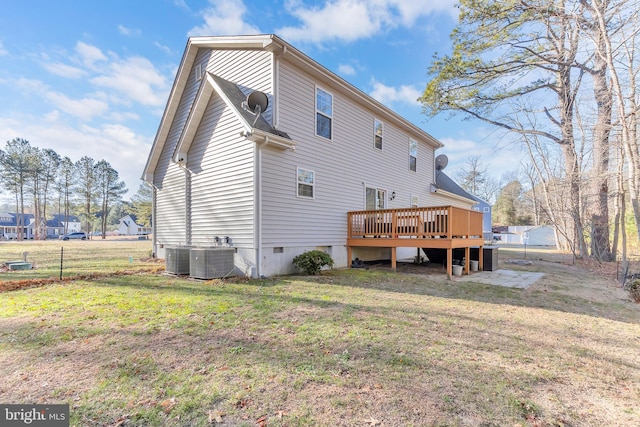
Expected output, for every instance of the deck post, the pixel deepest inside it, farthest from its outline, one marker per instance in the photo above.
(349, 250)
(467, 262)
(449, 263)
(393, 258)
(480, 259)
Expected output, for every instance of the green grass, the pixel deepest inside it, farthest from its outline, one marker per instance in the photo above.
(78, 257)
(349, 347)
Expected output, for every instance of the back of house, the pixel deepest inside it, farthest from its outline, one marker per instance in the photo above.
(264, 150)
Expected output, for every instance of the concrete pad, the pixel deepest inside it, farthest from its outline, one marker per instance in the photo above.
(508, 278)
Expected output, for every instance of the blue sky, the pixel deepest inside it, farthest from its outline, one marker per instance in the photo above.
(92, 77)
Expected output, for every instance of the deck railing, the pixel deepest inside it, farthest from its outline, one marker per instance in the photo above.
(439, 222)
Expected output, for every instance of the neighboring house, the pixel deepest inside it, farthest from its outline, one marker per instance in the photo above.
(541, 235)
(263, 149)
(61, 224)
(487, 223)
(9, 225)
(129, 227)
(55, 226)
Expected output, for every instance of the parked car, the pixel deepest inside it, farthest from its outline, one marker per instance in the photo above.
(77, 235)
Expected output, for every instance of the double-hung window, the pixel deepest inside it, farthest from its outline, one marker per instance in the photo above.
(377, 134)
(324, 113)
(413, 154)
(306, 183)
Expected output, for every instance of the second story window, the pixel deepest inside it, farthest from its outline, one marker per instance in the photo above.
(324, 113)
(413, 154)
(377, 134)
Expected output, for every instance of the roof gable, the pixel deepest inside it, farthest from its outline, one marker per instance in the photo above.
(260, 130)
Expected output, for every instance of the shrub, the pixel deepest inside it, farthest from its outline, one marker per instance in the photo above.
(312, 261)
(634, 290)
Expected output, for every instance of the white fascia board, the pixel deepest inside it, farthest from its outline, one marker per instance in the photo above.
(255, 42)
(179, 84)
(193, 121)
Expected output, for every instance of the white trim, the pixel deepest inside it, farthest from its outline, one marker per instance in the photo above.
(315, 116)
(312, 185)
(410, 156)
(375, 134)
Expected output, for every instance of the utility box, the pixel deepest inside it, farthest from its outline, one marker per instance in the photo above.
(489, 258)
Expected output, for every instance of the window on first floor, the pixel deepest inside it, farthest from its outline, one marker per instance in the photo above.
(306, 183)
(414, 201)
(375, 198)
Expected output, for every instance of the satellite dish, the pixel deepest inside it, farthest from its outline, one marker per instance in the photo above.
(441, 162)
(257, 102)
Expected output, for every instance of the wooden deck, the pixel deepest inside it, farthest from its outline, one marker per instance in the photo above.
(435, 227)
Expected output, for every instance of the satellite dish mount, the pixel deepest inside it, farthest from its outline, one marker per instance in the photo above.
(256, 103)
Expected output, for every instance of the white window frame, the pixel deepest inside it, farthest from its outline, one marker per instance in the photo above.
(414, 201)
(486, 209)
(375, 134)
(312, 184)
(381, 195)
(199, 72)
(330, 117)
(412, 154)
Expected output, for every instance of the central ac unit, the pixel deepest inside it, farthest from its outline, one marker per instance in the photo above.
(177, 260)
(211, 263)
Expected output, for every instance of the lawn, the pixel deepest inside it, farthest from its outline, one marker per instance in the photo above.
(75, 256)
(349, 347)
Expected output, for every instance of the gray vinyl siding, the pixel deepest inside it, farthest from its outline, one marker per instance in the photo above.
(220, 188)
(221, 165)
(250, 70)
(169, 178)
(342, 167)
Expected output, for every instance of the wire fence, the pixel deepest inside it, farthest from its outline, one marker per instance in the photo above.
(52, 259)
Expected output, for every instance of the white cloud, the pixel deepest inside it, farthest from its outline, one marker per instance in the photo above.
(74, 142)
(3, 50)
(388, 94)
(136, 79)
(224, 17)
(64, 70)
(165, 49)
(84, 108)
(340, 20)
(129, 32)
(346, 69)
(350, 20)
(89, 54)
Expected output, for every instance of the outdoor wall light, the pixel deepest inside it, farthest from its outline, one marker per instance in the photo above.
(392, 196)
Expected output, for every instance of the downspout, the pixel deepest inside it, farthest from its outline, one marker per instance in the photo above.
(257, 167)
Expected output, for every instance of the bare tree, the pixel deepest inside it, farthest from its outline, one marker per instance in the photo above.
(473, 177)
(511, 59)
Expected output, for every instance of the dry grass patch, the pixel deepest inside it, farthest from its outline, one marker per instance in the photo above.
(351, 348)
